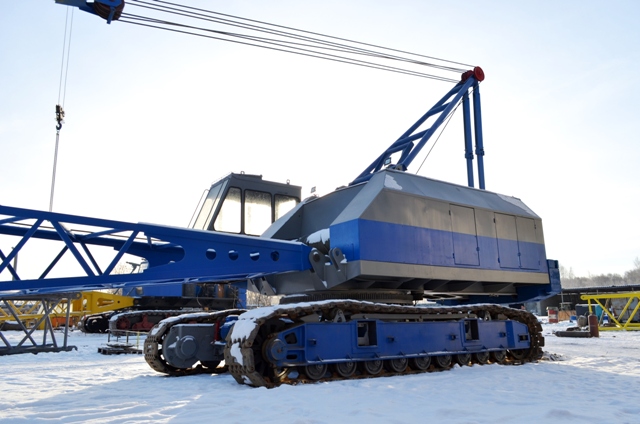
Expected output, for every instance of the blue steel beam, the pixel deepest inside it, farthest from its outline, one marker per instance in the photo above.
(173, 254)
(468, 143)
(477, 116)
(441, 110)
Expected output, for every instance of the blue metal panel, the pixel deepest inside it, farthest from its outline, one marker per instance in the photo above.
(386, 242)
(465, 249)
(168, 290)
(529, 255)
(508, 253)
(488, 252)
(338, 342)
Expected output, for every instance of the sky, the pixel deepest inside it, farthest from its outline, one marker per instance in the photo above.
(153, 118)
(587, 383)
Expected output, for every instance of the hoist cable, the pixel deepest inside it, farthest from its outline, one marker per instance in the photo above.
(302, 53)
(64, 49)
(346, 48)
(320, 44)
(160, 2)
(66, 72)
(132, 19)
(318, 48)
(64, 69)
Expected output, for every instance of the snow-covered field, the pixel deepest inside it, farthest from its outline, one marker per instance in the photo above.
(596, 379)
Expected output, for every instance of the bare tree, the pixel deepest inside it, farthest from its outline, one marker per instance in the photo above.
(570, 280)
(633, 276)
(255, 300)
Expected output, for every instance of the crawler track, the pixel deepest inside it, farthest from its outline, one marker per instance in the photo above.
(154, 342)
(140, 321)
(245, 361)
(95, 323)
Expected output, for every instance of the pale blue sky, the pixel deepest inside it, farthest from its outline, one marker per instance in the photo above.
(153, 117)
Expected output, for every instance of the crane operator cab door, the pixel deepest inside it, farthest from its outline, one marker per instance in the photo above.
(244, 204)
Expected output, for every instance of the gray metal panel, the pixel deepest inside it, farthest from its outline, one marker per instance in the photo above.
(398, 207)
(485, 224)
(454, 193)
(364, 275)
(368, 192)
(406, 271)
(527, 235)
(463, 222)
(526, 230)
(395, 197)
(506, 231)
(313, 214)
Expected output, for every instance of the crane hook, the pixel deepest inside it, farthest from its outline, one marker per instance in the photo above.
(59, 117)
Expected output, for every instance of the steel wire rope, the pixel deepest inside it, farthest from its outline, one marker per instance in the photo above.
(292, 50)
(342, 47)
(334, 46)
(349, 49)
(289, 48)
(433, 145)
(66, 50)
(292, 47)
(318, 55)
(307, 32)
(66, 72)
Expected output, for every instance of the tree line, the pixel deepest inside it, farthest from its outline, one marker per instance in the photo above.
(631, 277)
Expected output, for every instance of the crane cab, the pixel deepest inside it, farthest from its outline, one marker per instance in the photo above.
(244, 204)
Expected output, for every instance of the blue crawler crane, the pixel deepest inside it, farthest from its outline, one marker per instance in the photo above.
(352, 265)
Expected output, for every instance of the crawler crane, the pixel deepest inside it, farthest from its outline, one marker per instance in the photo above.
(351, 264)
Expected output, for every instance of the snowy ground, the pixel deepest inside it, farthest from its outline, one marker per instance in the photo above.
(595, 380)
